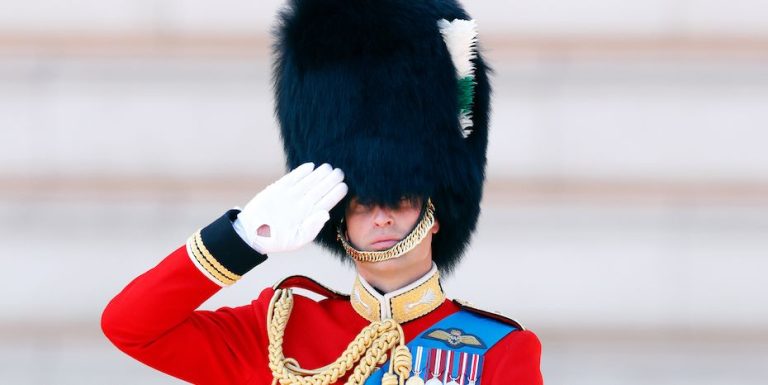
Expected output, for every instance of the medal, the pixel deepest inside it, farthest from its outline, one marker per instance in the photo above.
(448, 366)
(435, 359)
(462, 368)
(474, 370)
(416, 378)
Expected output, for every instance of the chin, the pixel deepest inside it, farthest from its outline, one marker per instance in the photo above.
(384, 266)
(404, 261)
(390, 262)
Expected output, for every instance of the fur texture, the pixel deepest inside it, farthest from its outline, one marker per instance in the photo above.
(369, 86)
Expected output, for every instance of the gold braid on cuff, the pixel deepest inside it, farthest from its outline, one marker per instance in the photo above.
(405, 245)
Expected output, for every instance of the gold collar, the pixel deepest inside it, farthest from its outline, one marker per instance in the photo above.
(403, 305)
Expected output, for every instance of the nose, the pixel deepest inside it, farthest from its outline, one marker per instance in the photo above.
(382, 217)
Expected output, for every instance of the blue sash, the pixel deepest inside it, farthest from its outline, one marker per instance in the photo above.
(458, 333)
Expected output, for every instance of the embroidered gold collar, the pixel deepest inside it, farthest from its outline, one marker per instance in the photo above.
(403, 305)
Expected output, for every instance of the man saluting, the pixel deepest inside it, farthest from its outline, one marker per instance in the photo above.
(395, 94)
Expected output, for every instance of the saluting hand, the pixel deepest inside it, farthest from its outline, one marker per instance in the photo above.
(290, 212)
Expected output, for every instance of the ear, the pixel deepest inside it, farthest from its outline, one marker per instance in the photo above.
(436, 227)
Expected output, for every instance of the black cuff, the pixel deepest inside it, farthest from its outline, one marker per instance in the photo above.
(226, 246)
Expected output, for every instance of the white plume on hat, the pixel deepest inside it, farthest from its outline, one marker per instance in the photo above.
(460, 38)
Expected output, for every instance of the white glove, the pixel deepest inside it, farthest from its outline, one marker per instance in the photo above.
(290, 212)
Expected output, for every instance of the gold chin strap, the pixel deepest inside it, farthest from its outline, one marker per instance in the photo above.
(362, 356)
(405, 245)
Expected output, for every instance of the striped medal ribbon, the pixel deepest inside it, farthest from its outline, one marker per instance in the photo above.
(415, 379)
(435, 361)
(473, 370)
(462, 368)
(450, 366)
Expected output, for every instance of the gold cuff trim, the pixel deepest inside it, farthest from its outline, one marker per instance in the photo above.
(212, 260)
(405, 245)
(209, 263)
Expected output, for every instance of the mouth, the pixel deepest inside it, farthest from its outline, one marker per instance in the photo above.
(383, 244)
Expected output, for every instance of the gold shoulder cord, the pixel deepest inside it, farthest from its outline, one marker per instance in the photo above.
(362, 356)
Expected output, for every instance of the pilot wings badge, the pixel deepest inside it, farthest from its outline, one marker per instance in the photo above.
(455, 338)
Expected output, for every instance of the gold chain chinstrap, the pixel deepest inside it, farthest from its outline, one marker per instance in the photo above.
(407, 244)
(367, 351)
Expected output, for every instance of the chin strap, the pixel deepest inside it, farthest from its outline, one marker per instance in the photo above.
(362, 356)
(405, 245)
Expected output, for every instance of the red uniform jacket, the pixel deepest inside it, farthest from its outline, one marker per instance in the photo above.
(155, 320)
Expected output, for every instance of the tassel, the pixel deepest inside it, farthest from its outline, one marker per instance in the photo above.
(400, 364)
(389, 379)
(414, 381)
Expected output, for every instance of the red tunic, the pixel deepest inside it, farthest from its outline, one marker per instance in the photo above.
(155, 320)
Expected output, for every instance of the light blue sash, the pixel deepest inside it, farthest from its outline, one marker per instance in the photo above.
(487, 330)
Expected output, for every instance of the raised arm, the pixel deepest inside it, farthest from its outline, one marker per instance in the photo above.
(154, 319)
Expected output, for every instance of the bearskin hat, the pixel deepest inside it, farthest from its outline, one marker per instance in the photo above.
(370, 86)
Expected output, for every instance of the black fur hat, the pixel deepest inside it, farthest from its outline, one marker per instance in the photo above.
(370, 87)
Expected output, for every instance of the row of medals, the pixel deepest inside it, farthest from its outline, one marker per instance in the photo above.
(442, 365)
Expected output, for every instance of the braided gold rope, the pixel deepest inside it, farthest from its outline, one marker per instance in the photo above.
(364, 353)
(405, 245)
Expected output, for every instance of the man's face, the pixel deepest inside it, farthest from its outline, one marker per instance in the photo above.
(375, 227)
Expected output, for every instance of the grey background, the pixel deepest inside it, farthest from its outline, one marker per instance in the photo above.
(625, 219)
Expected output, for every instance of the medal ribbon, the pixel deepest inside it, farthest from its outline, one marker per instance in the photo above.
(475, 369)
(417, 366)
(488, 330)
(448, 366)
(463, 370)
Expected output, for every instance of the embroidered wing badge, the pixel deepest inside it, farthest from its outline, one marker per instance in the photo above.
(455, 338)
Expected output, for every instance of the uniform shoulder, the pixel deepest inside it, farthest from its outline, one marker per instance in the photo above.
(309, 284)
(465, 305)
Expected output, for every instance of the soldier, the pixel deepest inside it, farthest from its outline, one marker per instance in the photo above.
(396, 95)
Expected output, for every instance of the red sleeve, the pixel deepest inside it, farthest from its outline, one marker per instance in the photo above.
(515, 360)
(154, 319)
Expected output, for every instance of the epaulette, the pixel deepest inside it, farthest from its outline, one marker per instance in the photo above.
(490, 314)
(306, 283)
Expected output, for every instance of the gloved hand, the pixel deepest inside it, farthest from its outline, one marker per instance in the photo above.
(290, 212)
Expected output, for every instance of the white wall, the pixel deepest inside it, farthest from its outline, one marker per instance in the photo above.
(625, 219)
(551, 17)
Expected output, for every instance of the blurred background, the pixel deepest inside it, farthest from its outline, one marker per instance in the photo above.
(625, 217)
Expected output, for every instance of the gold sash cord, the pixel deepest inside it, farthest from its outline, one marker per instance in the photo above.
(362, 355)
